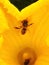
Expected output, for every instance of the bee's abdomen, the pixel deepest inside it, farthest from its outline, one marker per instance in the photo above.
(23, 31)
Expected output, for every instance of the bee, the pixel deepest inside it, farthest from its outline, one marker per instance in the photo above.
(27, 61)
(24, 26)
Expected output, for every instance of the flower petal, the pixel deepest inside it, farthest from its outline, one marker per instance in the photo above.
(1, 40)
(3, 22)
(10, 8)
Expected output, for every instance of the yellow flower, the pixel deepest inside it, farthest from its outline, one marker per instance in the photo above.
(15, 47)
(3, 24)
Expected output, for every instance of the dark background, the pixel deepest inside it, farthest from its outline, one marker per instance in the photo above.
(20, 4)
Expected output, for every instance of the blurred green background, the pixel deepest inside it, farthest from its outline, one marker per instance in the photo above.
(20, 4)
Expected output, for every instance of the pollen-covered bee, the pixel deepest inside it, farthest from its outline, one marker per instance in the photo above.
(24, 26)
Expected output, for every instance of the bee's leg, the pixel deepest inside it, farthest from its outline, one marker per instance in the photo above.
(30, 24)
(16, 27)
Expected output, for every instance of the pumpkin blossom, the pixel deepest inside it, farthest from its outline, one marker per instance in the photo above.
(33, 46)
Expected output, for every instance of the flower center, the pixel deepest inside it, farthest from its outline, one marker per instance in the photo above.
(27, 57)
